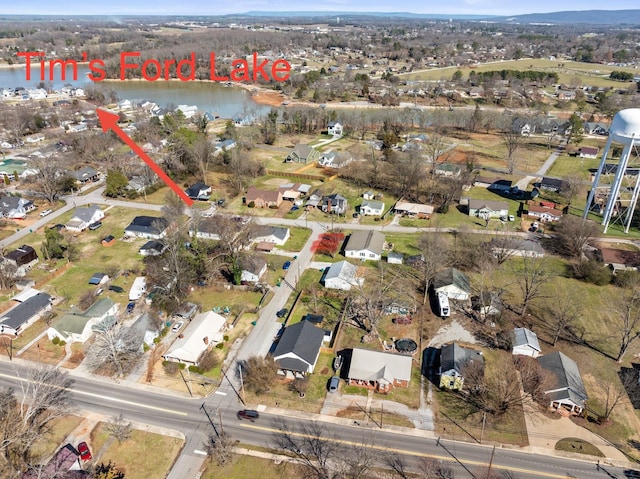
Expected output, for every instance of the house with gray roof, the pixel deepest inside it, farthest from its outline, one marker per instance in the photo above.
(199, 191)
(525, 343)
(22, 316)
(85, 174)
(83, 217)
(298, 349)
(77, 327)
(567, 390)
(253, 267)
(365, 245)
(14, 207)
(302, 154)
(453, 282)
(335, 159)
(488, 209)
(342, 275)
(271, 234)
(379, 370)
(454, 359)
(371, 208)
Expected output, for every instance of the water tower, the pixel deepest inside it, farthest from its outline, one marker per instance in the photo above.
(624, 131)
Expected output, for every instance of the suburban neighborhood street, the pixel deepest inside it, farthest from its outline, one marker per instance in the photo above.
(155, 407)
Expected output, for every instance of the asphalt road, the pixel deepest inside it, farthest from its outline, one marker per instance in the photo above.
(152, 406)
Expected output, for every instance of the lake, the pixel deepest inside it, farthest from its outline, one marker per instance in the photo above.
(208, 96)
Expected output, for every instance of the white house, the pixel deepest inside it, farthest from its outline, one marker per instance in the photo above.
(272, 234)
(544, 214)
(413, 209)
(454, 283)
(525, 343)
(371, 208)
(83, 217)
(205, 330)
(335, 128)
(365, 245)
(78, 327)
(335, 159)
(488, 209)
(253, 267)
(342, 275)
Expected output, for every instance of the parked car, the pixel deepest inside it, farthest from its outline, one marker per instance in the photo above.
(249, 414)
(334, 382)
(295, 208)
(286, 265)
(85, 452)
(46, 212)
(95, 226)
(130, 307)
(337, 363)
(282, 313)
(177, 327)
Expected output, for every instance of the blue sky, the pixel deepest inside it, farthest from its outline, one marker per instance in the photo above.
(217, 7)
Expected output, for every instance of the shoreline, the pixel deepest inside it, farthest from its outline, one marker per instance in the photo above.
(259, 94)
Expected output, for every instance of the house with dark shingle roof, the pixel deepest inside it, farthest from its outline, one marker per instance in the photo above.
(454, 359)
(85, 174)
(453, 282)
(298, 349)
(567, 389)
(15, 207)
(199, 191)
(335, 204)
(24, 314)
(149, 227)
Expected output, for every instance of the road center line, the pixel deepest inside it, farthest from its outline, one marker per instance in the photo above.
(413, 453)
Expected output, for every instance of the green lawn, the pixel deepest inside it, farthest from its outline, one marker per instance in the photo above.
(298, 238)
(585, 73)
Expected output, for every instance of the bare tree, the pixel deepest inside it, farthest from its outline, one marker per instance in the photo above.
(119, 429)
(116, 348)
(530, 274)
(259, 373)
(512, 139)
(44, 397)
(49, 178)
(8, 272)
(323, 455)
(624, 310)
(563, 312)
(220, 448)
(433, 248)
(398, 465)
(369, 298)
(437, 151)
(572, 185)
(572, 234)
(203, 153)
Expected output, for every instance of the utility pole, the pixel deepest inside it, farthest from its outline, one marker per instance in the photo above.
(484, 420)
(185, 383)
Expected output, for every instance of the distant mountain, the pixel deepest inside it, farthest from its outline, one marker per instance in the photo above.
(595, 17)
(330, 14)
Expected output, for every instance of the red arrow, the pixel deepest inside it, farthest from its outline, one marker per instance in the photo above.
(109, 121)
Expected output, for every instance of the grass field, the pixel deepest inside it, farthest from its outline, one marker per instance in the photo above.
(243, 467)
(136, 456)
(585, 73)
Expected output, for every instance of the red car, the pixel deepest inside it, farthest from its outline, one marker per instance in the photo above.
(85, 453)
